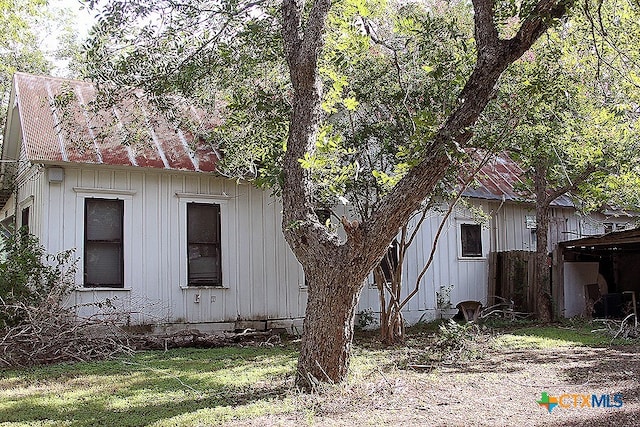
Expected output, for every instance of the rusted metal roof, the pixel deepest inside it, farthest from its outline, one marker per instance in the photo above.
(503, 179)
(59, 125)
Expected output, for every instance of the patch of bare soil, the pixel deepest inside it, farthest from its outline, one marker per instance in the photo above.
(501, 389)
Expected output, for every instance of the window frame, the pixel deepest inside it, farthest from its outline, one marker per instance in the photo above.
(483, 240)
(25, 206)
(127, 230)
(216, 244)
(226, 226)
(25, 215)
(119, 242)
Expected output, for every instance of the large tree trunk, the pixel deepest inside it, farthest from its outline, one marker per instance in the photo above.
(328, 328)
(543, 278)
(542, 284)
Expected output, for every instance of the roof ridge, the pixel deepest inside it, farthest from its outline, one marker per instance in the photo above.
(55, 78)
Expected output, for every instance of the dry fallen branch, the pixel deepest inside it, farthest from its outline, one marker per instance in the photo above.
(51, 333)
(198, 339)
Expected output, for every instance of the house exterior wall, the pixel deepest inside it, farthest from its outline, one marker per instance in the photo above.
(576, 276)
(466, 276)
(504, 228)
(261, 277)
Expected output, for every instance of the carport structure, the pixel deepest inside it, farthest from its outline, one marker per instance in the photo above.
(603, 269)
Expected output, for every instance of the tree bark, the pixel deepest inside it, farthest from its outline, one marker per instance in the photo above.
(542, 284)
(328, 327)
(543, 278)
(391, 320)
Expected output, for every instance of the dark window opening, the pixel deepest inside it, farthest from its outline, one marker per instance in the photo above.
(103, 243)
(203, 244)
(24, 219)
(389, 261)
(471, 240)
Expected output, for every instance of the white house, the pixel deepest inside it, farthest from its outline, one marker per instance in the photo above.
(461, 261)
(151, 224)
(156, 230)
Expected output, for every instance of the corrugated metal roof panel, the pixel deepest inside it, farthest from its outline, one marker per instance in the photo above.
(36, 117)
(501, 178)
(60, 126)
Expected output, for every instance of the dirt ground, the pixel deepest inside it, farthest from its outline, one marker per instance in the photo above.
(501, 389)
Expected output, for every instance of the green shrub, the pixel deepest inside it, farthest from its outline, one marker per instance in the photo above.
(28, 275)
(457, 341)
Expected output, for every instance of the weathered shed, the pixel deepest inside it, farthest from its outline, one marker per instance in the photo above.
(611, 261)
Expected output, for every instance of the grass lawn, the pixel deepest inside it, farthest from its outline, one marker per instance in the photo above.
(254, 385)
(570, 334)
(177, 387)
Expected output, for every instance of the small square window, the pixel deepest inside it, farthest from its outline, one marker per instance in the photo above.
(471, 236)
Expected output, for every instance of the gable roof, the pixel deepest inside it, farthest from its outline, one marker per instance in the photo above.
(59, 126)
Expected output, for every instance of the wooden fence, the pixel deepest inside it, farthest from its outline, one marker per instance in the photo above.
(511, 276)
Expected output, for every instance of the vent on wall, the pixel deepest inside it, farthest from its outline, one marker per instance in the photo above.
(55, 175)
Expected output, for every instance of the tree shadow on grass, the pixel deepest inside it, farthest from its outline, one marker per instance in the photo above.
(152, 387)
(220, 405)
(578, 370)
(574, 364)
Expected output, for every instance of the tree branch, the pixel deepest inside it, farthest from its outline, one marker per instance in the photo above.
(292, 29)
(485, 29)
(411, 190)
(436, 238)
(572, 186)
(537, 23)
(303, 43)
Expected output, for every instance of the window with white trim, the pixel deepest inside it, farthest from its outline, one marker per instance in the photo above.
(204, 250)
(103, 243)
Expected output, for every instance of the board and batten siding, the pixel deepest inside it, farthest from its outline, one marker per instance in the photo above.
(262, 280)
(505, 229)
(465, 275)
(29, 195)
